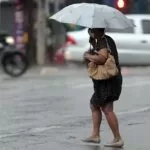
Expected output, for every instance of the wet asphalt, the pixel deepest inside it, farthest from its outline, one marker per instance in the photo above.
(46, 110)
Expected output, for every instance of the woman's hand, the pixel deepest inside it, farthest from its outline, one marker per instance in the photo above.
(86, 55)
(91, 64)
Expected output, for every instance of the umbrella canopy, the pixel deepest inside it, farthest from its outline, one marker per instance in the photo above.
(93, 16)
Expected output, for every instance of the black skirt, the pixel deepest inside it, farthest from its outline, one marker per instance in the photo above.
(106, 91)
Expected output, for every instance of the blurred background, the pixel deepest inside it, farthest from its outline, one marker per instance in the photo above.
(49, 42)
(48, 108)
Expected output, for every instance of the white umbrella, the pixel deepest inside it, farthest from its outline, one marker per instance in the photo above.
(93, 16)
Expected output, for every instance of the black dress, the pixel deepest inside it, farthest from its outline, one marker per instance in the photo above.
(109, 90)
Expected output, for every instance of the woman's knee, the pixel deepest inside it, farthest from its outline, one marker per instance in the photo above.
(94, 107)
(107, 109)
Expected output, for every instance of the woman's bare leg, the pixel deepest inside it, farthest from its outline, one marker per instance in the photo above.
(112, 120)
(97, 119)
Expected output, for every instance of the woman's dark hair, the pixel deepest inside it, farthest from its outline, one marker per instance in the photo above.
(91, 40)
(101, 29)
(89, 30)
(98, 29)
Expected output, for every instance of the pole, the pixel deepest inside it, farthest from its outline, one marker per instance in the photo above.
(31, 50)
(41, 33)
(148, 6)
(56, 3)
(47, 7)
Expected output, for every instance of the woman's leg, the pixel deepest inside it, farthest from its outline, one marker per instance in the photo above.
(112, 120)
(97, 119)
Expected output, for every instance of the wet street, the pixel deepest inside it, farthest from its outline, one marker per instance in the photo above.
(50, 111)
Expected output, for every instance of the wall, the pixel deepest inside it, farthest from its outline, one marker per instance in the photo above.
(6, 17)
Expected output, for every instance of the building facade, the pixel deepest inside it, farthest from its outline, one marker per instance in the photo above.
(7, 8)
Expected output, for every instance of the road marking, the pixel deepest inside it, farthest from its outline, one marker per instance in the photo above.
(80, 86)
(134, 111)
(142, 83)
(139, 84)
(31, 131)
(42, 129)
(49, 71)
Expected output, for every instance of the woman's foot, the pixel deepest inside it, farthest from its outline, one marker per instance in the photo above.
(92, 139)
(115, 143)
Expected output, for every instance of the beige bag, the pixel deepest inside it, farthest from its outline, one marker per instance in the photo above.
(106, 71)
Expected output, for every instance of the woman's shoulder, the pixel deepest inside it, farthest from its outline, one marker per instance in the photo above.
(110, 39)
(101, 44)
(104, 41)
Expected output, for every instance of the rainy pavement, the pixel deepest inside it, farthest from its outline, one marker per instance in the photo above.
(44, 111)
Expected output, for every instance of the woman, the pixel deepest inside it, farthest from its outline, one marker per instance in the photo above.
(105, 91)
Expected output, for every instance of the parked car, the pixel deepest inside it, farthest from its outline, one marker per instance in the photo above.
(133, 43)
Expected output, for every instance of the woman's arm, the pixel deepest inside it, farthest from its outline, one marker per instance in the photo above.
(99, 58)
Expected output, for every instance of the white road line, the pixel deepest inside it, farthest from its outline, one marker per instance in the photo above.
(32, 131)
(142, 83)
(139, 84)
(80, 86)
(134, 111)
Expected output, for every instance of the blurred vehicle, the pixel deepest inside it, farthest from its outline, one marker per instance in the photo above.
(13, 61)
(59, 56)
(6, 39)
(56, 42)
(133, 44)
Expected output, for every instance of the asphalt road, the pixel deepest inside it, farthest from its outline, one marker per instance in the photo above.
(49, 109)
